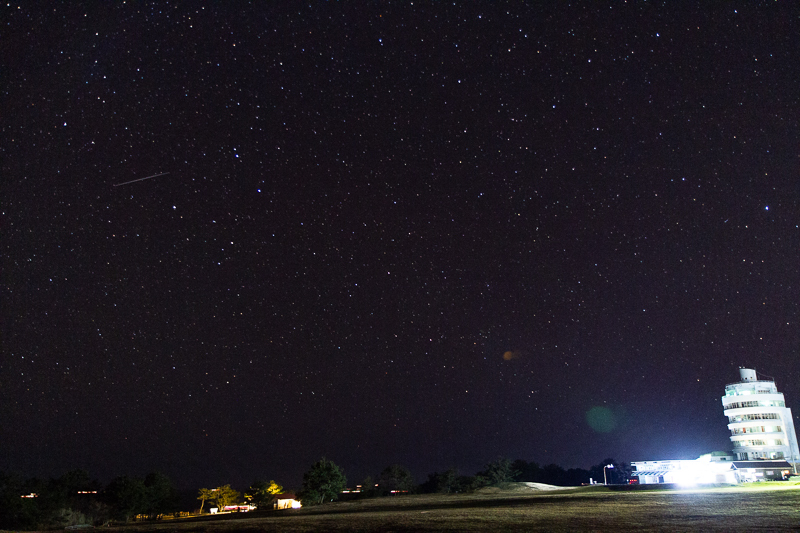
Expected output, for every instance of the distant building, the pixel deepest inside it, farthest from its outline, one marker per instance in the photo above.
(763, 437)
(240, 508)
(761, 470)
(715, 467)
(709, 470)
(761, 426)
(287, 500)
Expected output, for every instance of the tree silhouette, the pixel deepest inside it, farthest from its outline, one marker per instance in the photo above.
(395, 478)
(323, 482)
(225, 496)
(262, 493)
(204, 495)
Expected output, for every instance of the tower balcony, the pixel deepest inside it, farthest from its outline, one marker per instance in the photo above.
(753, 400)
(765, 424)
(759, 384)
(768, 436)
(734, 410)
(759, 441)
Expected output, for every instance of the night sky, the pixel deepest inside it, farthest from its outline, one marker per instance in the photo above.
(427, 234)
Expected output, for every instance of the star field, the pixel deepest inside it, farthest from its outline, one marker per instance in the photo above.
(426, 234)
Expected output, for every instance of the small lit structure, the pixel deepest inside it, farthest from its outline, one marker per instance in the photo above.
(749, 471)
(287, 500)
(239, 508)
(761, 426)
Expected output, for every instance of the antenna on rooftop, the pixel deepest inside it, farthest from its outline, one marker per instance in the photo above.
(771, 378)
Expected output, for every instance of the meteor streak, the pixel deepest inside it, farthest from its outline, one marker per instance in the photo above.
(141, 179)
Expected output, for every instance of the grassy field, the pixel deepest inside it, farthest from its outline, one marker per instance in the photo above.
(757, 507)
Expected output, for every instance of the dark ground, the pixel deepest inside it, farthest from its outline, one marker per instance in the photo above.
(770, 507)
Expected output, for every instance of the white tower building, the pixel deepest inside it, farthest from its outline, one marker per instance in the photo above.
(761, 425)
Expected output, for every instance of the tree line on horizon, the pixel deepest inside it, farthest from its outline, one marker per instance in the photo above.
(75, 499)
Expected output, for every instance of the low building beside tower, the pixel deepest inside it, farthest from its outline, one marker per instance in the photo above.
(715, 467)
(702, 471)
